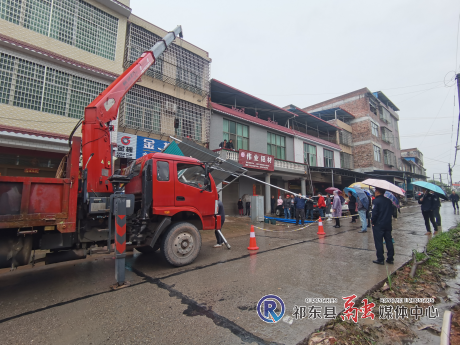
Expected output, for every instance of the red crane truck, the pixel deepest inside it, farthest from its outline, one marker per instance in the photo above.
(173, 197)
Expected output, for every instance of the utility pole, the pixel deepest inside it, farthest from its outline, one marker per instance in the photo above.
(450, 175)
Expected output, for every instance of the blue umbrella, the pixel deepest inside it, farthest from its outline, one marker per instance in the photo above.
(349, 189)
(362, 197)
(393, 199)
(432, 187)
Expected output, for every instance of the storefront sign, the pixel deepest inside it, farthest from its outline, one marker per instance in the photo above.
(135, 146)
(31, 171)
(256, 160)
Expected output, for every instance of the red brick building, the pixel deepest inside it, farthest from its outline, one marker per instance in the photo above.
(375, 143)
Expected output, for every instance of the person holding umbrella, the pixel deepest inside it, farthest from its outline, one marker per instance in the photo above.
(382, 212)
(336, 209)
(427, 202)
(454, 198)
(352, 206)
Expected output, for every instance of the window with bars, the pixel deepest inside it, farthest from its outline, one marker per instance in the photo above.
(377, 157)
(27, 84)
(276, 145)
(389, 157)
(346, 160)
(387, 135)
(328, 158)
(385, 115)
(238, 133)
(74, 22)
(346, 138)
(176, 66)
(309, 154)
(375, 129)
(152, 111)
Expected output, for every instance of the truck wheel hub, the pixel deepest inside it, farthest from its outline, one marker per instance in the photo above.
(184, 243)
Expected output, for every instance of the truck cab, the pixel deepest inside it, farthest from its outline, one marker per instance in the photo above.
(173, 195)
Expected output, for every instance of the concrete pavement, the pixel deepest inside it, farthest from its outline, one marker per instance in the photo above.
(211, 301)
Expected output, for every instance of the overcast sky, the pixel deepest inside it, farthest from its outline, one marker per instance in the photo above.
(305, 52)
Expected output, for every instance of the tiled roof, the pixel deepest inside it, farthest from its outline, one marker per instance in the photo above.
(12, 129)
(272, 125)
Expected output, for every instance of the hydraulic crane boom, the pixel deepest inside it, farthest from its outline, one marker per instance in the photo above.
(96, 145)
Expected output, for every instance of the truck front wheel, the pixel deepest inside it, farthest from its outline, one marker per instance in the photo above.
(181, 244)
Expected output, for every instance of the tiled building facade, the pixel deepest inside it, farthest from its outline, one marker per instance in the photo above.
(57, 56)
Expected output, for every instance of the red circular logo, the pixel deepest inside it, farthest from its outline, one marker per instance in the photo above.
(125, 140)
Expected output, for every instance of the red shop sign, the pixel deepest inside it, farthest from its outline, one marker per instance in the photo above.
(256, 160)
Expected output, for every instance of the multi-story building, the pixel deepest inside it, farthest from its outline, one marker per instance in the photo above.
(414, 156)
(57, 56)
(279, 146)
(370, 123)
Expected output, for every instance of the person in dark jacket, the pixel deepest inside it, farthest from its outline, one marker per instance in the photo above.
(437, 207)
(454, 198)
(299, 203)
(240, 207)
(273, 204)
(352, 207)
(223, 144)
(368, 214)
(382, 212)
(309, 208)
(292, 206)
(221, 213)
(230, 145)
(287, 207)
(427, 202)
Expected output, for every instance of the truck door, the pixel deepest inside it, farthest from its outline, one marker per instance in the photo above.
(191, 181)
(163, 183)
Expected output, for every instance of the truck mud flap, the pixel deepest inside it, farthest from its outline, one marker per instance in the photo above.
(159, 230)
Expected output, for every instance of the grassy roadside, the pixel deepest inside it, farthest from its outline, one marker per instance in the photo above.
(428, 282)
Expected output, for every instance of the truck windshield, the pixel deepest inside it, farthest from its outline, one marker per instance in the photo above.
(193, 175)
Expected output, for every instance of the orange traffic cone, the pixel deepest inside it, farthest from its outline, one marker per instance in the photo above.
(252, 240)
(320, 227)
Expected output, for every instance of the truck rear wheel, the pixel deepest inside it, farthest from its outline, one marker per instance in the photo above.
(15, 250)
(181, 244)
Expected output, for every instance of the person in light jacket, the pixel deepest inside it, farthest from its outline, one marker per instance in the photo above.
(336, 209)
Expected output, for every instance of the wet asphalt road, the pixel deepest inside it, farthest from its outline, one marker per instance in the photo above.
(212, 301)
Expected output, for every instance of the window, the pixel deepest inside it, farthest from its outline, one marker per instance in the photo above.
(276, 145)
(387, 135)
(346, 138)
(162, 171)
(309, 154)
(176, 66)
(377, 154)
(346, 160)
(27, 84)
(238, 133)
(155, 112)
(73, 22)
(385, 115)
(389, 158)
(328, 159)
(192, 175)
(375, 129)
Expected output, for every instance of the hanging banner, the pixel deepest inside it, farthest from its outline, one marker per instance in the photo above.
(256, 160)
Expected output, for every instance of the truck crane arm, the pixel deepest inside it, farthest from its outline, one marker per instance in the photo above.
(96, 145)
